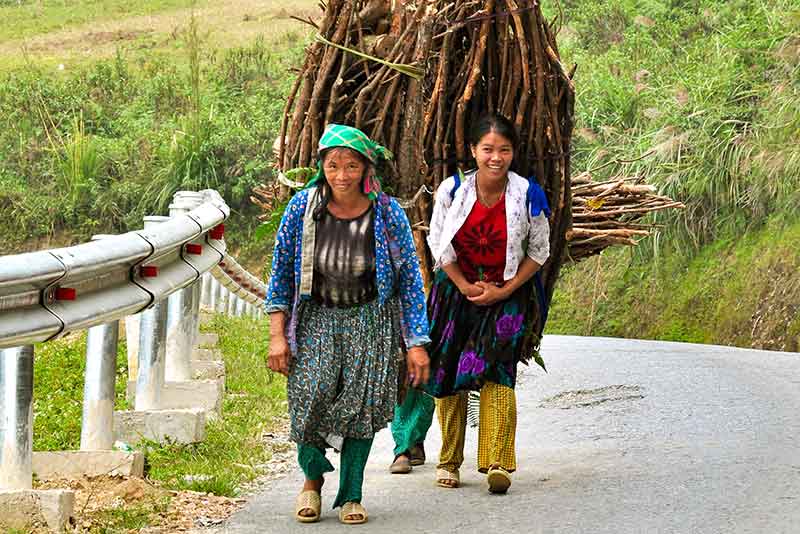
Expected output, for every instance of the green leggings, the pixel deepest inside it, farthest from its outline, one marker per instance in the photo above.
(355, 452)
(412, 419)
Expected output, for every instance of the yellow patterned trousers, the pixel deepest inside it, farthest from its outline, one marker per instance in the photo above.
(496, 429)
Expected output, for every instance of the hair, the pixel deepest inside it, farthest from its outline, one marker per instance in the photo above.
(325, 189)
(493, 122)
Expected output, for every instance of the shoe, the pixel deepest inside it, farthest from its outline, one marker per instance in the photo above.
(308, 500)
(417, 454)
(351, 509)
(401, 465)
(499, 480)
(447, 479)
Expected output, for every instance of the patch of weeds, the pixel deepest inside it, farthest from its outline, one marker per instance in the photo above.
(129, 518)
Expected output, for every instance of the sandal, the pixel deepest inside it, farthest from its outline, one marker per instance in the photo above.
(447, 479)
(401, 465)
(499, 480)
(308, 500)
(352, 509)
(417, 454)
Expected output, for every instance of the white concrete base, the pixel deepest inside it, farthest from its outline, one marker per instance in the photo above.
(74, 464)
(204, 394)
(207, 355)
(208, 340)
(207, 370)
(27, 510)
(177, 426)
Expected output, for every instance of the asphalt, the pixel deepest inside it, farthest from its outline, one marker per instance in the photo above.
(619, 436)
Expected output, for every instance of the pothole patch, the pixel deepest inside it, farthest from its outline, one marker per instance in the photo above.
(586, 398)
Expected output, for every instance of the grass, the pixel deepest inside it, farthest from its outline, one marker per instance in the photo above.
(739, 290)
(59, 370)
(130, 518)
(233, 449)
(707, 89)
(27, 18)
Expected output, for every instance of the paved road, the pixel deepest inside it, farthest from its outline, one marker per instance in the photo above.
(620, 437)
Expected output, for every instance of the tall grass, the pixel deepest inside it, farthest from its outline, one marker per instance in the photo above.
(708, 88)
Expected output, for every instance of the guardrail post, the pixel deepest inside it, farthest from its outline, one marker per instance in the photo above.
(16, 418)
(222, 300)
(214, 293)
(97, 428)
(152, 355)
(205, 291)
(152, 347)
(240, 307)
(183, 307)
(232, 297)
(132, 344)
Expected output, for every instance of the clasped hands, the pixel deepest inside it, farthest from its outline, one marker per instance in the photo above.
(484, 293)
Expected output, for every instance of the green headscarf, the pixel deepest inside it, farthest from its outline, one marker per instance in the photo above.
(339, 135)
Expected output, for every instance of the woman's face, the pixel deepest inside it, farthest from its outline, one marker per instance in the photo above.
(494, 154)
(344, 170)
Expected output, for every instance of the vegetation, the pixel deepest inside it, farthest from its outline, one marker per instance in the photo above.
(233, 449)
(97, 149)
(707, 90)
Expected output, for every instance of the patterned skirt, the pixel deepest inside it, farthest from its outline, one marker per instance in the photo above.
(343, 379)
(472, 344)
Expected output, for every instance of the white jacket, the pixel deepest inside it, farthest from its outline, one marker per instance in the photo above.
(526, 234)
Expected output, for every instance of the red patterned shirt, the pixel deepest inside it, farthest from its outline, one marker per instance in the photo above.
(480, 243)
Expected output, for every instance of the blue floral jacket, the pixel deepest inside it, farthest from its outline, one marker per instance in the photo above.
(397, 265)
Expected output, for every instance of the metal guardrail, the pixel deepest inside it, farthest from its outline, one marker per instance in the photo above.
(150, 277)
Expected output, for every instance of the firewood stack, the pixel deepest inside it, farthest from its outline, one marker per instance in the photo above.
(413, 74)
(606, 213)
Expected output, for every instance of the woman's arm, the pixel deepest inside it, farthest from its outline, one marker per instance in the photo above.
(414, 318)
(455, 275)
(279, 353)
(492, 293)
(281, 286)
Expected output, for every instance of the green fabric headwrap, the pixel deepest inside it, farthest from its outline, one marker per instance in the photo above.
(339, 135)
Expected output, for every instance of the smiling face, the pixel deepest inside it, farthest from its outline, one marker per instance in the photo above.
(493, 154)
(344, 170)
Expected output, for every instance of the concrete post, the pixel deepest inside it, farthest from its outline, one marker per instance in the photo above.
(16, 418)
(232, 299)
(97, 429)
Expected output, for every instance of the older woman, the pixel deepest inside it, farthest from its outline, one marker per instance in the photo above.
(489, 235)
(345, 289)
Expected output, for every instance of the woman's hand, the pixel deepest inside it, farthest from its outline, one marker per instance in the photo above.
(418, 366)
(490, 294)
(279, 355)
(470, 290)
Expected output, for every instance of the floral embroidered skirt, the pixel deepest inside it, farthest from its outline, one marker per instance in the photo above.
(472, 344)
(343, 379)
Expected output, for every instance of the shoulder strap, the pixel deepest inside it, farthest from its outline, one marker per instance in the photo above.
(536, 199)
(457, 177)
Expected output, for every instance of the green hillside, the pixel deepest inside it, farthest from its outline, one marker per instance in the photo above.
(702, 94)
(709, 90)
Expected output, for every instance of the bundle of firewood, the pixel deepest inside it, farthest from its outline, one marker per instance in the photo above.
(606, 213)
(413, 74)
